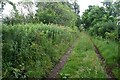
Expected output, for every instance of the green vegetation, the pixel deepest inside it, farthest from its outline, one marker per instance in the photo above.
(83, 63)
(102, 22)
(109, 51)
(34, 43)
(33, 50)
(87, 64)
(56, 13)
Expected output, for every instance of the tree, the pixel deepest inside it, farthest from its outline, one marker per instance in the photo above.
(92, 15)
(100, 22)
(57, 13)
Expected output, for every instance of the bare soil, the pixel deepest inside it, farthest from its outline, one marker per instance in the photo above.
(55, 72)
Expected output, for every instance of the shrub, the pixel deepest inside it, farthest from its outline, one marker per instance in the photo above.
(105, 30)
(32, 50)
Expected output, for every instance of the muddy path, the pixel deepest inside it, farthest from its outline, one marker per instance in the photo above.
(55, 72)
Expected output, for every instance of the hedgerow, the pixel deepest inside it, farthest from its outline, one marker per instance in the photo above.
(32, 50)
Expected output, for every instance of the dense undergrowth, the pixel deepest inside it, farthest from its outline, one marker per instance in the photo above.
(32, 50)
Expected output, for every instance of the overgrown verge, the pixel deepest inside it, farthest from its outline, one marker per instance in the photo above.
(109, 50)
(32, 50)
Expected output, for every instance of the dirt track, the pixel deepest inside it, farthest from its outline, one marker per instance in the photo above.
(55, 72)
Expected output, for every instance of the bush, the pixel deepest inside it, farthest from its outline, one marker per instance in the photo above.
(105, 30)
(32, 50)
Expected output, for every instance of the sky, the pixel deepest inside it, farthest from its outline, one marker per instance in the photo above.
(82, 3)
(85, 3)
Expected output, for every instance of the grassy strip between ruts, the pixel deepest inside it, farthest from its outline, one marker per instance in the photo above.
(83, 63)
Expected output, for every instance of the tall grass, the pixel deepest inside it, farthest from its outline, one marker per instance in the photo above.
(32, 50)
(110, 51)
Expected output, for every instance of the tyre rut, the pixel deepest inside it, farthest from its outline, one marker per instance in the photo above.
(55, 71)
(107, 68)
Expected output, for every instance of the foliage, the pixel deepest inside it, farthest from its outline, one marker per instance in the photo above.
(103, 29)
(92, 15)
(32, 50)
(100, 21)
(64, 76)
(56, 13)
